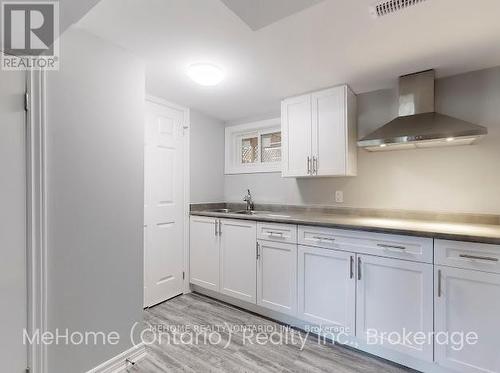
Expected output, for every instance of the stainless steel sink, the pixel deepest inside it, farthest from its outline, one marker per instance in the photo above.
(262, 213)
(225, 211)
(229, 211)
(252, 212)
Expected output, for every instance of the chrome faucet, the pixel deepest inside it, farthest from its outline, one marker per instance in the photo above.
(249, 201)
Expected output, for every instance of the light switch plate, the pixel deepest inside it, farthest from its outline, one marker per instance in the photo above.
(339, 196)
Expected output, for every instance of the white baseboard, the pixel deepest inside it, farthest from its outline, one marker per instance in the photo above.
(118, 363)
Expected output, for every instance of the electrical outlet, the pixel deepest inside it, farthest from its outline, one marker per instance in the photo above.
(339, 196)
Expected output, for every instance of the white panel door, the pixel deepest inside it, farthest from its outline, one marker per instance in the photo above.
(277, 276)
(327, 288)
(238, 266)
(468, 301)
(395, 296)
(296, 135)
(13, 309)
(329, 131)
(164, 203)
(204, 255)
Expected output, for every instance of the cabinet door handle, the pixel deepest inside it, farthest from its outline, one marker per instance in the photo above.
(275, 234)
(220, 227)
(488, 258)
(439, 283)
(257, 255)
(216, 227)
(351, 268)
(315, 165)
(319, 238)
(308, 165)
(391, 247)
(359, 268)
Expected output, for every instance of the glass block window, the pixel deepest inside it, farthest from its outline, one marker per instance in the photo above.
(249, 150)
(271, 147)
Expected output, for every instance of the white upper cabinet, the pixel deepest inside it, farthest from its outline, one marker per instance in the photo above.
(319, 134)
(296, 132)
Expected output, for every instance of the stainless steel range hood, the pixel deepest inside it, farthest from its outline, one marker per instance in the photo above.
(418, 125)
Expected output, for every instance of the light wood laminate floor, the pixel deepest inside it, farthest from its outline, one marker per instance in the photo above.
(242, 354)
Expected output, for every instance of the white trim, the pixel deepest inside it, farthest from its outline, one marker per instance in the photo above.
(187, 180)
(119, 363)
(187, 196)
(232, 149)
(161, 101)
(36, 217)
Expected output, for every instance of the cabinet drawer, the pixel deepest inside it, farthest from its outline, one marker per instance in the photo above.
(468, 255)
(277, 232)
(418, 249)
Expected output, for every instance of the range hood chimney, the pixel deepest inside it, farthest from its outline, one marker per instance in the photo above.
(418, 125)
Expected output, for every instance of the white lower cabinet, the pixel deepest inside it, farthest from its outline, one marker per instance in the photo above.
(467, 301)
(204, 254)
(277, 276)
(327, 288)
(238, 265)
(395, 297)
(408, 310)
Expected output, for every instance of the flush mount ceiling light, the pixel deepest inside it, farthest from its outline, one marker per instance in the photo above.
(205, 74)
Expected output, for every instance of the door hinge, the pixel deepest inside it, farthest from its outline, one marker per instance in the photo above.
(183, 275)
(182, 129)
(26, 101)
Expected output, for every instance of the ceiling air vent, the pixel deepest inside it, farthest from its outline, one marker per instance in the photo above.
(386, 7)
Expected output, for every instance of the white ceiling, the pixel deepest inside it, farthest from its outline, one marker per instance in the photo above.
(260, 13)
(70, 11)
(330, 43)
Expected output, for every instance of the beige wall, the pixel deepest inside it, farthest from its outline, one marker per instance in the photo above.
(95, 197)
(206, 158)
(456, 179)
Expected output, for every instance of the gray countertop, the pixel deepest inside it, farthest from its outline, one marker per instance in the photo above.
(452, 230)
